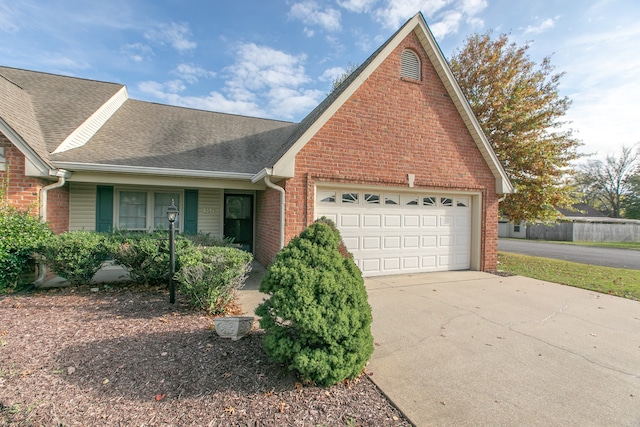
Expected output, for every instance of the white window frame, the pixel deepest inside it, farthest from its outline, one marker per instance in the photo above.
(3, 160)
(150, 205)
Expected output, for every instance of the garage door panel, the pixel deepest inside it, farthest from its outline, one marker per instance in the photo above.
(391, 264)
(352, 243)
(429, 241)
(429, 221)
(371, 243)
(411, 221)
(411, 263)
(411, 242)
(349, 221)
(371, 221)
(370, 265)
(392, 242)
(389, 238)
(447, 220)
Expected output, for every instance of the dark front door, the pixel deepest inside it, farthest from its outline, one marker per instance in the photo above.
(238, 219)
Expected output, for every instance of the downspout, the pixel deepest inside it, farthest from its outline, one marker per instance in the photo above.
(62, 180)
(270, 184)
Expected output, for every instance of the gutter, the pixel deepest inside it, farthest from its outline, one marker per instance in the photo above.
(62, 180)
(270, 184)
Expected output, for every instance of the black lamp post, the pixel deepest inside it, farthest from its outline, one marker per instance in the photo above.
(172, 214)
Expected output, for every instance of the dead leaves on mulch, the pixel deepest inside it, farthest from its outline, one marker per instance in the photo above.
(125, 356)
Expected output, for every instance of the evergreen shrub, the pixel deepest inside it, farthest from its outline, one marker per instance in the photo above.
(317, 320)
(77, 255)
(146, 255)
(210, 276)
(21, 236)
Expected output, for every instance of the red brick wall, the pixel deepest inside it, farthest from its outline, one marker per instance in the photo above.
(267, 239)
(24, 191)
(390, 128)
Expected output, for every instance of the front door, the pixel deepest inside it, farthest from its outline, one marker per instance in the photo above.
(238, 219)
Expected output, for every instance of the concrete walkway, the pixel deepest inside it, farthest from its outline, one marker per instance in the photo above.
(474, 349)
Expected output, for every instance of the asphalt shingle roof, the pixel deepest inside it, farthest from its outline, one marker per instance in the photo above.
(161, 136)
(60, 103)
(17, 112)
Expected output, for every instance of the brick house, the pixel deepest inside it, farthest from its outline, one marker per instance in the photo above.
(394, 156)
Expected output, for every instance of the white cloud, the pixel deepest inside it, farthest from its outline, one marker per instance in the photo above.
(173, 34)
(357, 6)
(449, 23)
(605, 96)
(312, 14)
(192, 73)
(331, 74)
(445, 16)
(397, 12)
(260, 76)
(138, 52)
(543, 26)
(473, 7)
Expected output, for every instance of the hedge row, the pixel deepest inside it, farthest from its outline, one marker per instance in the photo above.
(207, 275)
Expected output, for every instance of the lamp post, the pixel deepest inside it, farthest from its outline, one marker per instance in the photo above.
(172, 213)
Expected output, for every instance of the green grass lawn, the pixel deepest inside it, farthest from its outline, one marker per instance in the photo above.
(614, 281)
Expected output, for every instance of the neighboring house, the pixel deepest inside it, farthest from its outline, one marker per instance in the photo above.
(394, 156)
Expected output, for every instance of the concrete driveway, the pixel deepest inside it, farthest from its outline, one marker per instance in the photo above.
(470, 348)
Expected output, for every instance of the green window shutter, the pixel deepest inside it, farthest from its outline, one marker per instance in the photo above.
(104, 208)
(190, 213)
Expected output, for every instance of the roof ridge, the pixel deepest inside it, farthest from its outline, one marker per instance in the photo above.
(58, 75)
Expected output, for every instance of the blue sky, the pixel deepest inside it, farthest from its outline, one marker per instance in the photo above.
(277, 59)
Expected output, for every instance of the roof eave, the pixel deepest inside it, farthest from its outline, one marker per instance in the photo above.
(144, 170)
(38, 162)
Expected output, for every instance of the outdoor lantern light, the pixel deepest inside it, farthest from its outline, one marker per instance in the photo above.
(172, 214)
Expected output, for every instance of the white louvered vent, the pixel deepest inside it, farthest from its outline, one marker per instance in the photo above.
(410, 65)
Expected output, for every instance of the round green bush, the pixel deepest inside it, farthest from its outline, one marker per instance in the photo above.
(77, 255)
(210, 275)
(146, 255)
(317, 320)
(21, 236)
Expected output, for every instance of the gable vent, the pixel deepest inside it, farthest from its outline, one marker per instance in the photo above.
(410, 65)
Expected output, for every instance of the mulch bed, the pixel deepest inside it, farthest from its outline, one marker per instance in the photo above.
(121, 355)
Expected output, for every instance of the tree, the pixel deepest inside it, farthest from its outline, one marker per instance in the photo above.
(632, 202)
(317, 320)
(517, 104)
(612, 184)
(337, 81)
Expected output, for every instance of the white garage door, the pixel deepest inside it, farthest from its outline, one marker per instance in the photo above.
(395, 233)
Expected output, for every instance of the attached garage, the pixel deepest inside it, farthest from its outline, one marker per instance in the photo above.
(395, 232)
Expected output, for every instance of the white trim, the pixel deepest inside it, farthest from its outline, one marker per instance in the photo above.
(143, 170)
(86, 130)
(41, 166)
(285, 165)
(150, 193)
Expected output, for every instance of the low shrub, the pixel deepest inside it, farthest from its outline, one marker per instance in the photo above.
(317, 320)
(21, 236)
(210, 275)
(206, 239)
(146, 255)
(77, 255)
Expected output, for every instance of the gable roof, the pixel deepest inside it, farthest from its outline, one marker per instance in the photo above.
(284, 161)
(60, 104)
(144, 137)
(18, 122)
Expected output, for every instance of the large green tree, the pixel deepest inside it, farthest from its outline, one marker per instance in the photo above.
(517, 103)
